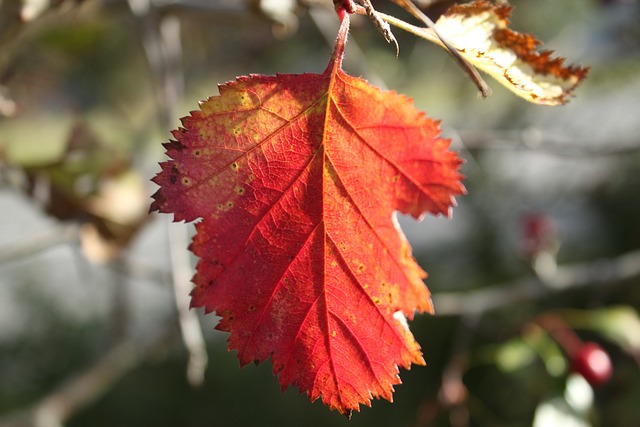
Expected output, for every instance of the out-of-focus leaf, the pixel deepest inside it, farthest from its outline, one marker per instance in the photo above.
(27, 145)
(514, 355)
(620, 324)
(547, 348)
(76, 177)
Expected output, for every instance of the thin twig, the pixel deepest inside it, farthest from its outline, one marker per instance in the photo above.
(121, 310)
(87, 386)
(382, 26)
(425, 33)
(161, 39)
(178, 236)
(441, 40)
(62, 233)
(189, 323)
(542, 141)
(604, 272)
(356, 57)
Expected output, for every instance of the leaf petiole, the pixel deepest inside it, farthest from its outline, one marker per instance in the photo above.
(364, 7)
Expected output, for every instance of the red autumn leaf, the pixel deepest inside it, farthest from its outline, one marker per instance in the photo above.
(296, 179)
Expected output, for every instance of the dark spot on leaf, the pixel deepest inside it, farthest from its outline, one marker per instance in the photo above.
(174, 145)
(173, 176)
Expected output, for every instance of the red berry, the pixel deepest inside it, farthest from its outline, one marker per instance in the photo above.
(593, 363)
(539, 234)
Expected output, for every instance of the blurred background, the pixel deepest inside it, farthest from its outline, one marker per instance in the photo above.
(542, 255)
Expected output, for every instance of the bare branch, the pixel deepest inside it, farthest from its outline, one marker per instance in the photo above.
(59, 234)
(604, 272)
(382, 26)
(543, 141)
(161, 39)
(440, 39)
(324, 20)
(87, 386)
(188, 319)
